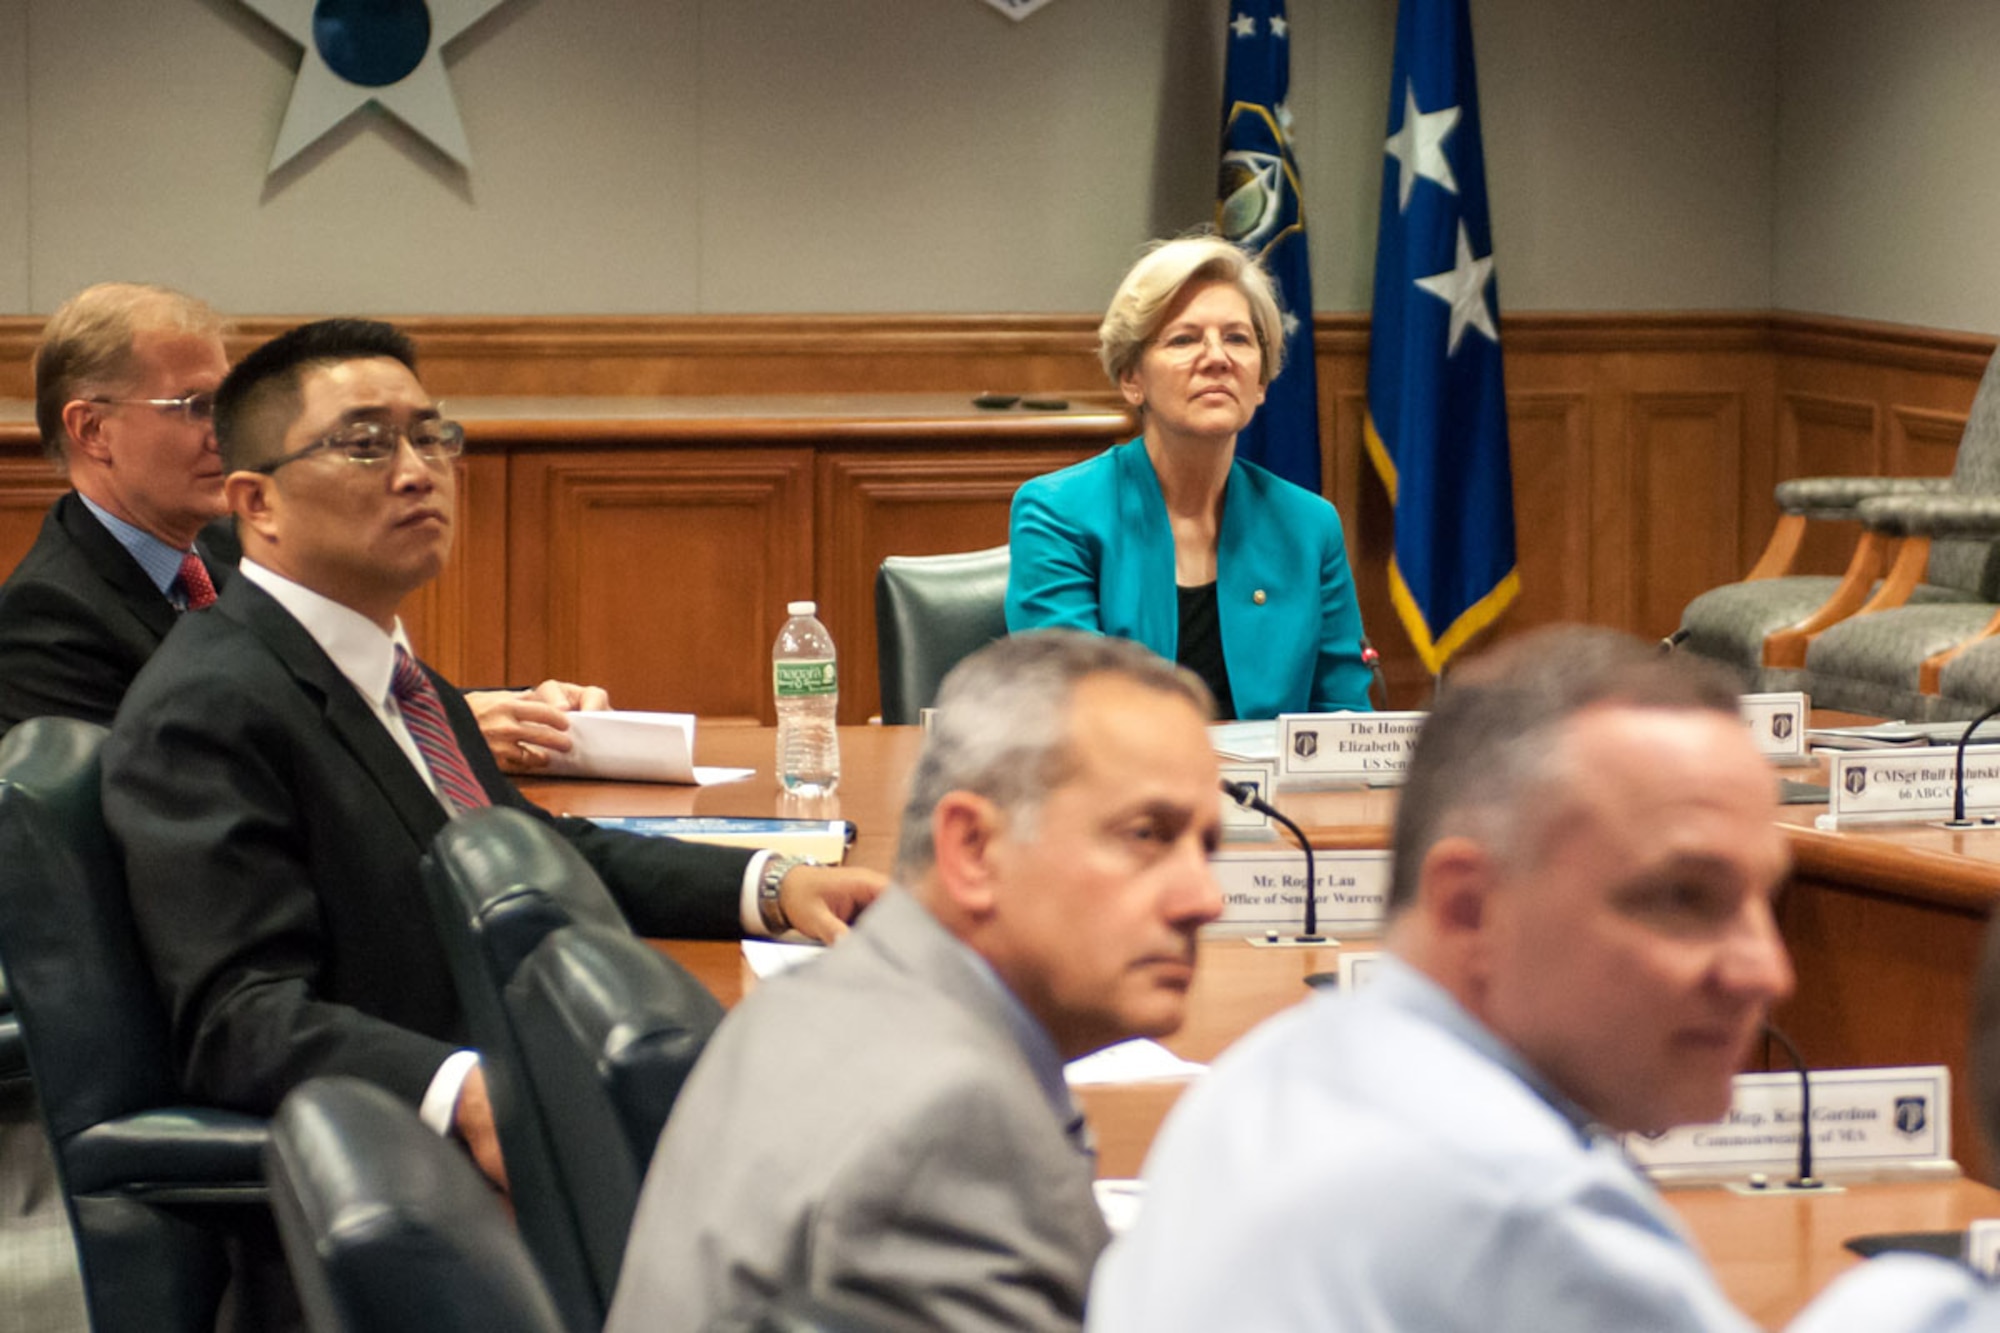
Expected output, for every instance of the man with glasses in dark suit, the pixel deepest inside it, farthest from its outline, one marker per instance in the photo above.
(281, 765)
(125, 381)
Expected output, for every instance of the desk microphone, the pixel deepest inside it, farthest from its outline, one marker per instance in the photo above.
(1805, 1180)
(1373, 661)
(1246, 796)
(1958, 819)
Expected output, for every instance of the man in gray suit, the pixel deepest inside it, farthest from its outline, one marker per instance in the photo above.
(887, 1128)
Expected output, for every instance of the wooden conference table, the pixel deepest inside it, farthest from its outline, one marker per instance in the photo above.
(1884, 929)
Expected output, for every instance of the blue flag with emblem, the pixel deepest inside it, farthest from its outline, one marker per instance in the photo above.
(1437, 415)
(1259, 208)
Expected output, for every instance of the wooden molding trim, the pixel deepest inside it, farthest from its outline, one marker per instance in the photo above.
(1653, 331)
(818, 421)
(572, 337)
(1898, 346)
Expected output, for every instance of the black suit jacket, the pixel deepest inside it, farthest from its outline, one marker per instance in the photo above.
(78, 618)
(272, 831)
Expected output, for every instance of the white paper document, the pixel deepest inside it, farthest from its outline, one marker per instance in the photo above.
(767, 958)
(1139, 1060)
(1250, 742)
(1119, 1201)
(636, 747)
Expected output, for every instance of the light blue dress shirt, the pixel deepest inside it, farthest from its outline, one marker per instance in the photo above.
(161, 562)
(1383, 1162)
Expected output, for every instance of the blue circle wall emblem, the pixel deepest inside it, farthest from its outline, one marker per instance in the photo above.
(373, 43)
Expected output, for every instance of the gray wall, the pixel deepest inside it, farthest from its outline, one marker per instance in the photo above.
(715, 156)
(1888, 175)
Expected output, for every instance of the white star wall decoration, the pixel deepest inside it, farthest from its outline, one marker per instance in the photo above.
(382, 51)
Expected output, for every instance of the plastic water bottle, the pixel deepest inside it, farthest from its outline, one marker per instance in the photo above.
(805, 675)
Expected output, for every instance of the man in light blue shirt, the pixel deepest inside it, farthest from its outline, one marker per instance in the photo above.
(1582, 944)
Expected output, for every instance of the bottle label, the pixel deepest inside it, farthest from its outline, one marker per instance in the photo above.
(796, 680)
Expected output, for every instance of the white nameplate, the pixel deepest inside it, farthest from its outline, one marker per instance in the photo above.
(1265, 890)
(1357, 968)
(1241, 822)
(1345, 749)
(1890, 786)
(1866, 1122)
(1982, 1247)
(1777, 724)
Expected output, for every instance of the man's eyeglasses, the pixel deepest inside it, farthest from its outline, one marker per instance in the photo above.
(196, 408)
(432, 439)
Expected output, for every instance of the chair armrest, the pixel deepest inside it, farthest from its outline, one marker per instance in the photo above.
(170, 1149)
(1836, 497)
(13, 1052)
(1942, 517)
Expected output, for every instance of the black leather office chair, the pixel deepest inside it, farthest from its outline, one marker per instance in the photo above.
(150, 1183)
(930, 611)
(390, 1229)
(13, 1052)
(585, 1032)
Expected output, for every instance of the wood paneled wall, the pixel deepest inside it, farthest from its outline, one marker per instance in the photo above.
(652, 558)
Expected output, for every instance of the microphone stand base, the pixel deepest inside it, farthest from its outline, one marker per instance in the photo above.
(1271, 939)
(1760, 1187)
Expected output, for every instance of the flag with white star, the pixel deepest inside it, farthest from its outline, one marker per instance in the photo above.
(1437, 412)
(1259, 208)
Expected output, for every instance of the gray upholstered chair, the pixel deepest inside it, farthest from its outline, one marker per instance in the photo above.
(1892, 662)
(585, 1032)
(1767, 625)
(1969, 681)
(930, 611)
(388, 1228)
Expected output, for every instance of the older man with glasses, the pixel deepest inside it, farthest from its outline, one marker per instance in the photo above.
(125, 381)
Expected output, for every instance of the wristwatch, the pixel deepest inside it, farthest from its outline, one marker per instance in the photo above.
(769, 908)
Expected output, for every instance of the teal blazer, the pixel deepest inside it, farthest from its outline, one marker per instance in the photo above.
(1091, 549)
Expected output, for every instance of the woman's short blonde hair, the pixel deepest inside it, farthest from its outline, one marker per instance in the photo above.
(1163, 272)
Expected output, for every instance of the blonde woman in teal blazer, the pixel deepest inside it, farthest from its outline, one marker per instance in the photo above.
(1171, 540)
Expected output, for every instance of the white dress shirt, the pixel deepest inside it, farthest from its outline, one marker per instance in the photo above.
(366, 655)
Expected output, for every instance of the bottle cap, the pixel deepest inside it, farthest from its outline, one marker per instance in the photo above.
(801, 608)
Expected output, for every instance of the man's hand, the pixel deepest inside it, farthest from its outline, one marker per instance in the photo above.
(472, 1121)
(820, 900)
(521, 727)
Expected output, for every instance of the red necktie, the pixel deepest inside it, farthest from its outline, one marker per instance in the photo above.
(424, 715)
(194, 582)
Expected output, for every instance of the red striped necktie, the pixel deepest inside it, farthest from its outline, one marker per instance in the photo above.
(195, 585)
(424, 715)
